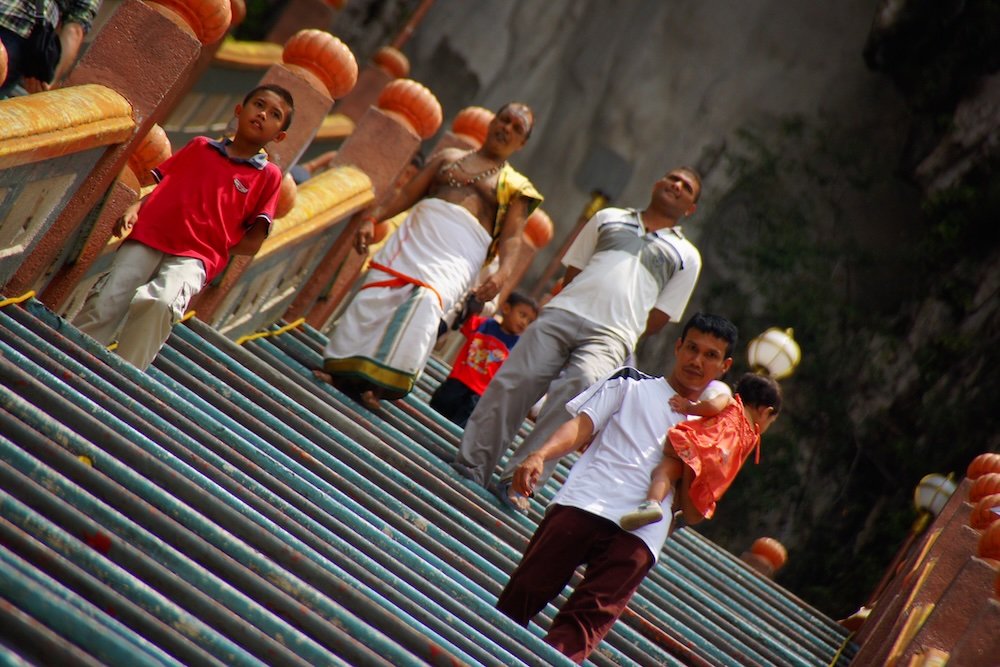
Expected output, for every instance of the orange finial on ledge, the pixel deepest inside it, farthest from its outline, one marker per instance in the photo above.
(323, 60)
(473, 123)
(413, 104)
(207, 20)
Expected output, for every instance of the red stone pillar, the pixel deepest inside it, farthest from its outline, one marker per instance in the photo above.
(148, 73)
(317, 68)
(152, 151)
(537, 233)
(381, 145)
(387, 65)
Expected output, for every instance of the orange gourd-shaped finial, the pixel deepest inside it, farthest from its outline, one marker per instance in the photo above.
(771, 550)
(982, 464)
(984, 485)
(208, 20)
(323, 58)
(538, 228)
(473, 123)
(392, 61)
(3, 63)
(414, 105)
(150, 154)
(238, 8)
(989, 542)
(982, 514)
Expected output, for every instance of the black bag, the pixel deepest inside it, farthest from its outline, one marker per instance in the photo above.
(43, 49)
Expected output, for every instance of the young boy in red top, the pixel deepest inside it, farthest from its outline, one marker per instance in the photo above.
(487, 346)
(212, 198)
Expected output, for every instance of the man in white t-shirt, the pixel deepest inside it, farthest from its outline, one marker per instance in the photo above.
(629, 272)
(627, 416)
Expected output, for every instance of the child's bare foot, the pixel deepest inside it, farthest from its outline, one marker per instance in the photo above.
(370, 399)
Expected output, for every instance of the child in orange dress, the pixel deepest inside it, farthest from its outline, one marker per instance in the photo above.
(715, 447)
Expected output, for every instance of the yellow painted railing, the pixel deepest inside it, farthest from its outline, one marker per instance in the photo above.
(62, 121)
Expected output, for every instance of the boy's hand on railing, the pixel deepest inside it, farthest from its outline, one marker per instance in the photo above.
(125, 223)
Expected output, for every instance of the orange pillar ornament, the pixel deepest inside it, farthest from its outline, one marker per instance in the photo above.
(207, 20)
(413, 105)
(468, 130)
(3, 63)
(387, 65)
(150, 154)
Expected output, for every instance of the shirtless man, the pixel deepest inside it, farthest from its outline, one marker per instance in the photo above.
(467, 206)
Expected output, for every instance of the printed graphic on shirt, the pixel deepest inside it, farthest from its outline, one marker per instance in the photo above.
(481, 356)
(239, 186)
(656, 255)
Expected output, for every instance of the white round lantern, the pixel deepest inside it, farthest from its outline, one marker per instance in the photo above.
(774, 352)
(932, 493)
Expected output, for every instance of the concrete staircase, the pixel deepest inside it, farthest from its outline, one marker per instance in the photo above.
(224, 508)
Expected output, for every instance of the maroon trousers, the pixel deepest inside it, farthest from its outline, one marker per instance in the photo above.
(617, 561)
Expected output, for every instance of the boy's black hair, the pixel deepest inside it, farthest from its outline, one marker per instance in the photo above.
(760, 391)
(516, 298)
(715, 325)
(280, 92)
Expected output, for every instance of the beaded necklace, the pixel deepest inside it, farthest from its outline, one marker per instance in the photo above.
(455, 183)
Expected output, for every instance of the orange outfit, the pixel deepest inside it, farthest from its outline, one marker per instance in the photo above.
(715, 448)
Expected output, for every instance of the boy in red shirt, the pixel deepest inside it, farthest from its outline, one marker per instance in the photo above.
(212, 198)
(487, 346)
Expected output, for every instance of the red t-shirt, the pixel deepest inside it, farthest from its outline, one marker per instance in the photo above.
(205, 201)
(486, 347)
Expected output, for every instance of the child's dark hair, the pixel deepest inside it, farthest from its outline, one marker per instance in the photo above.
(516, 298)
(717, 326)
(280, 92)
(760, 391)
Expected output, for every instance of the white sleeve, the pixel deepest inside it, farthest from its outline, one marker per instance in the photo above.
(714, 389)
(600, 401)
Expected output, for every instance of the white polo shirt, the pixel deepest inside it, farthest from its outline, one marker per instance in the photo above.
(631, 414)
(626, 272)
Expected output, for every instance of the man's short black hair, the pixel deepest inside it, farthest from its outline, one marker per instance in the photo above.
(280, 92)
(760, 391)
(715, 325)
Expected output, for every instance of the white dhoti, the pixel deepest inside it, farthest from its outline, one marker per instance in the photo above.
(386, 334)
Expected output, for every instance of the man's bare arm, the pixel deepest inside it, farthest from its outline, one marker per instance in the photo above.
(691, 514)
(571, 272)
(657, 320)
(569, 437)
(508, 249)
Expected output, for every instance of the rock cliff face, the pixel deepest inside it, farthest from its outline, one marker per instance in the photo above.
(849, 156)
